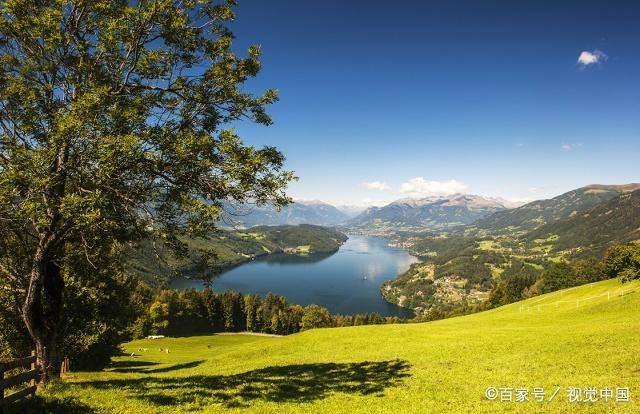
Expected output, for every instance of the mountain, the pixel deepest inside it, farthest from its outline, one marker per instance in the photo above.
(300, 212)
(430, 212)
(350, 210)
(538, 213)
(592, 231)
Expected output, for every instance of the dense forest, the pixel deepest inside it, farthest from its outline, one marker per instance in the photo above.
(192, 312)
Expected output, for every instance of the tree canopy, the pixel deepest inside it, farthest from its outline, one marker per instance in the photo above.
(116, 125)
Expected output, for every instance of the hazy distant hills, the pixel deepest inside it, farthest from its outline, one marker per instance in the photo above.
(299, 212)
(430, 212)
(541, 212)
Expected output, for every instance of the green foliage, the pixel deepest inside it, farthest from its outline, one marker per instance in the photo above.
(315, 317)
(110, 136)
(514, 283)
(192, 312)
(558, 276)
(623, 261)
(233, 311)
(97, 317)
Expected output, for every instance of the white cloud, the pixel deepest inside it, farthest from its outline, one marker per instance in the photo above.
(419, 187)
(587, 58)
(569, 147)
(376, 185)
(536, 190)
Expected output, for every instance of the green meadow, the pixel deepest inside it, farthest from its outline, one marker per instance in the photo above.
(582, 337)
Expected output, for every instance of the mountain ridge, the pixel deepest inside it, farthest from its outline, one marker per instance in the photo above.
(429, 212)
(540, 212)
(313, 212)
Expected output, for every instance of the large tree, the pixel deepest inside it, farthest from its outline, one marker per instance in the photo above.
(116, 125)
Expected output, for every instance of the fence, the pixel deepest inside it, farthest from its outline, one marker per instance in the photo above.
(31, 376)
(610, 294)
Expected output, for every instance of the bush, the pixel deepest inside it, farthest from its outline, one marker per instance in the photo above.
(558, 276)
(316, 317)
(623, 261)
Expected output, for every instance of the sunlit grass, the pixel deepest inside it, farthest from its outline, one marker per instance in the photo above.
(579, 337)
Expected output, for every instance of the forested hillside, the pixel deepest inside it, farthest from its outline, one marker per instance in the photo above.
(230, 248)
(541, 212)
(592, 231)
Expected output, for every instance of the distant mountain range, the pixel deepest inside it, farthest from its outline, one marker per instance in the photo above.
(482, 214)
(430, 212)
(300, 212)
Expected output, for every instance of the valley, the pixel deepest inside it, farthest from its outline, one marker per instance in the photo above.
(466, 243)
(462, 266)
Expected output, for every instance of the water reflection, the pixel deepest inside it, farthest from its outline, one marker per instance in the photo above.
(345, 282)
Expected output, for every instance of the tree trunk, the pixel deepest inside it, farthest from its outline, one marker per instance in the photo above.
(42, 308)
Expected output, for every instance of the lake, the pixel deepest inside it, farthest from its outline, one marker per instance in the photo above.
(345, 282)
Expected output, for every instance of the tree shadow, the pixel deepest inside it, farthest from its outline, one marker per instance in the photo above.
(143, 367)
(279, 384)
(122, 366)
(39, 405)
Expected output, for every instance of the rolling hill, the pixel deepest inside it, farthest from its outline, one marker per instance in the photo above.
(584, 337)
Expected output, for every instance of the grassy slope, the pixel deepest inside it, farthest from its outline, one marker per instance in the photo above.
(442, 366)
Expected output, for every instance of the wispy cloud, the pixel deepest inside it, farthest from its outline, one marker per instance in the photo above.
(419, 187)
(376, 185)
(570, 147)
(536, 190)
(588, 58)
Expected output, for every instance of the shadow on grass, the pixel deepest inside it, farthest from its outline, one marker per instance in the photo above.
(143, 367)
(288, 383)
(129, 366)
(39, 405)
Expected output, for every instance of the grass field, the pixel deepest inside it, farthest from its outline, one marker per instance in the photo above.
(580, 337)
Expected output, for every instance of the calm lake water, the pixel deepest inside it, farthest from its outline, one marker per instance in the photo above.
(336, 281)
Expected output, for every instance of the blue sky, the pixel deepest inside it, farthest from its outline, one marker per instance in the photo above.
(380, 100)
